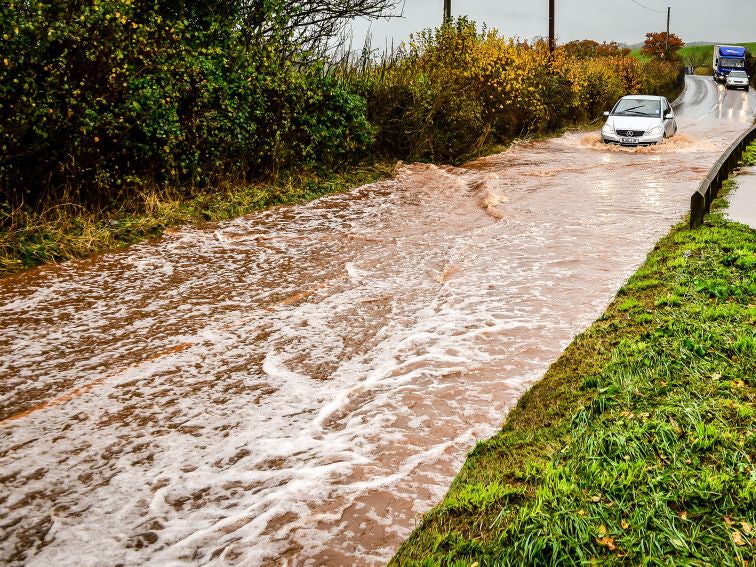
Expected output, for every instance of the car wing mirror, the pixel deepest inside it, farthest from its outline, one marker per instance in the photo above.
(607, 113)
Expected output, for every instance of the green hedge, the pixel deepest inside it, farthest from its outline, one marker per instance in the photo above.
(97, 97)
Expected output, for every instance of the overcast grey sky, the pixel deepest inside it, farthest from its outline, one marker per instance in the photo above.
(602, 20)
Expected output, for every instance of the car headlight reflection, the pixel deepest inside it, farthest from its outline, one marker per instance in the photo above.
(607, 129)
(654, 131)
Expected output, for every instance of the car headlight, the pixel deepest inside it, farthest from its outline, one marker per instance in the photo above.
(607, 129)
(654, 131)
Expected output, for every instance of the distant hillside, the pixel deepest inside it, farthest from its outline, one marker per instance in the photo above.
(698, 52)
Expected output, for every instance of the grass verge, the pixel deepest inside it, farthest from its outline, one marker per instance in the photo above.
(638, 446)
(66, 231)
(749, 156)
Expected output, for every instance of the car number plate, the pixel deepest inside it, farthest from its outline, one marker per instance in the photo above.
(629, 140)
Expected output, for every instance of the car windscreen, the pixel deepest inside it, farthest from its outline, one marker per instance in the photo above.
(732, 63)
(637, 107)
(739, 74)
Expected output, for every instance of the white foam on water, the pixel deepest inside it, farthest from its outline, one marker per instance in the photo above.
(298, 385)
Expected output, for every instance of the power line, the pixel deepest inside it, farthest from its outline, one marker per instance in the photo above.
(647, 8)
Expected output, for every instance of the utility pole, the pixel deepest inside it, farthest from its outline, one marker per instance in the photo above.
(552, 37)
(447, 11)
(666, 40)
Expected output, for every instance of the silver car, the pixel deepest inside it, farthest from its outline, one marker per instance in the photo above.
(737, 80)
(639, 120)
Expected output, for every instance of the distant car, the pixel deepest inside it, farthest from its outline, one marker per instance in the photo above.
(639, 120)
(738, 80)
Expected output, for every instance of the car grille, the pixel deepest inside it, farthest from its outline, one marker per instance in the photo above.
(630, 133)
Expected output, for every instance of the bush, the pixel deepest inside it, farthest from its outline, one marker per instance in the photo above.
(101, 97)
(456, 89)
(663, 78)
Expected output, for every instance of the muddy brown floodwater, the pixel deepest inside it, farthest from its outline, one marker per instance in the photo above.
(297, 386)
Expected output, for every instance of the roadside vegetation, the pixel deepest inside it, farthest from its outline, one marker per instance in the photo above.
(749, 156)
(638, 447)
(456, 90)
(699, 56)
(67, 230)
(121, 117)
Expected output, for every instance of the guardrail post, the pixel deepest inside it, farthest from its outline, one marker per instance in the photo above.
(708, 198)
(696, 210)
(713, 189)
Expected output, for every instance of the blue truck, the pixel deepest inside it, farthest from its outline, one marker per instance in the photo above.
(727, 58)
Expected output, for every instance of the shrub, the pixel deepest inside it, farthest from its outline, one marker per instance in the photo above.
(455, 89)
(100, 98)
(104, 96)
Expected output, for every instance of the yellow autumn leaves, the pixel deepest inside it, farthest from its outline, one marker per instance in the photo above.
(742, 533)
(454, 90)
(525, 77)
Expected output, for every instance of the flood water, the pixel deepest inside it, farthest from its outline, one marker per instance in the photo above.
(297, 386)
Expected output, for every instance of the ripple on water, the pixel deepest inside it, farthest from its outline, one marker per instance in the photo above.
(300, 384)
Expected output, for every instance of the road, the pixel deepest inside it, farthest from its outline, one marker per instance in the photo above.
(298, 386)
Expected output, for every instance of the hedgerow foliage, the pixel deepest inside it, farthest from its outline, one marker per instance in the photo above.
(100, 97)
(455, 89)
(103, 95)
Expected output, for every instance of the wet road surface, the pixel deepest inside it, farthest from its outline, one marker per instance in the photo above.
(742, 199)
(297, 386)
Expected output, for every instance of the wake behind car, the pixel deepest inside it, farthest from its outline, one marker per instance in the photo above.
(639, 120)
(738, 80)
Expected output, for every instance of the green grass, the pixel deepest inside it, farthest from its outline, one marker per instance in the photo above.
(62, 232)
(638, 447)
(707, 50)
(749, 156)
(637, 54)
(700, 53)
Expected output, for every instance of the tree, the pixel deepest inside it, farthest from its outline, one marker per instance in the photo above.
(656, 44)
(307, 26)
(300, 29)
(695, 58)
(587, 48)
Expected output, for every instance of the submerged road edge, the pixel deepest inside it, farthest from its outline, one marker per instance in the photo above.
(638, 416)
(700, 201)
